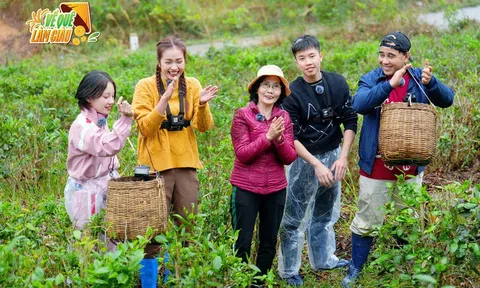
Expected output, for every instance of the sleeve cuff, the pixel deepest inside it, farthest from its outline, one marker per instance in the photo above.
(279, 143)
(386, 88)
(126, 119)
(432, 84)
(353, 128)
(157, 117)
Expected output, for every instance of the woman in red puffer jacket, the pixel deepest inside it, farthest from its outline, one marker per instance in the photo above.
(262, 137)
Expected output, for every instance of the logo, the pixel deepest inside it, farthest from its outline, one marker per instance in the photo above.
(70, 22)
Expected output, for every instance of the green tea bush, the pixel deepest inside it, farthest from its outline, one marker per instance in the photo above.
(440, 235)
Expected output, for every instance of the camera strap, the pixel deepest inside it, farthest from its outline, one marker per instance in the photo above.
(181, 104)
(327, 93)
(182, 112)
(319, 108)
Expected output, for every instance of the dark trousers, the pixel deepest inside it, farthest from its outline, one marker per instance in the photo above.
(245, 206)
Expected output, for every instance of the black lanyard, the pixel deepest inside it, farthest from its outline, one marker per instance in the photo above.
(180, 99)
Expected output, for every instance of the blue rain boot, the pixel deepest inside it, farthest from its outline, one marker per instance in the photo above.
(167, 272)
(360, 250)
(148, 273)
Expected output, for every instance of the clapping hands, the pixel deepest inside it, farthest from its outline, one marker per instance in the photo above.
(208, 93)
(276, 129)
(124, 107)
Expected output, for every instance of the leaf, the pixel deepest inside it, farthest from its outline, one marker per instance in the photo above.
(38, 274)
(217, 263)
(410, 256)
(59, 279)
(161, 239)
(453, 247)
(114, 255)
(101, 270)
(77, 234)
(254, 267)
(425, 278)
(470, 206)
(122, 278)
(475, 248)
(30, 226)
(113, 275)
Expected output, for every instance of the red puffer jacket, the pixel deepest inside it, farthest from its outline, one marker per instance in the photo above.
(259, 163)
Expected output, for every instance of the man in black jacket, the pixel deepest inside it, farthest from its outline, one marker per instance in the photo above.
(319, 103)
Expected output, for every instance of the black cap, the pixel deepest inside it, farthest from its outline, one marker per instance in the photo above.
(396, 40)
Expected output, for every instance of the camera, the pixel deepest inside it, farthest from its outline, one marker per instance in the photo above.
(174, 123)
(327, 113)
(142, 171)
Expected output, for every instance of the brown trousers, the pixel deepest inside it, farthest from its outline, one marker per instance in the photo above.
(181, 189)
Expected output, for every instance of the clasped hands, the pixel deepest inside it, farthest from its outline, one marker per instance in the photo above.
(276, 129)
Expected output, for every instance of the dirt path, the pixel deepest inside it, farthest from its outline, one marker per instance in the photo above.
(267, 40)
(14, 41)
(5, 32)
(14, 36)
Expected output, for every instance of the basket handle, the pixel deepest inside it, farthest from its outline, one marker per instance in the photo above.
(148, 151)
(421, 88)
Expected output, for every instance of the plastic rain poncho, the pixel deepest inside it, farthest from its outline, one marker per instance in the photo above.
(312, 208)
(84, 198)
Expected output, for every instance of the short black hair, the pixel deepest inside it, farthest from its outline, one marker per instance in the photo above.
(256, 85)
(303, 43)
(92, 86)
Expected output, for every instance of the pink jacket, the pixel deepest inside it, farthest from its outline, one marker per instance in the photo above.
(259, 163)
(92, 149)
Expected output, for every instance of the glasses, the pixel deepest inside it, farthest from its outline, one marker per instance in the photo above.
(274, 86)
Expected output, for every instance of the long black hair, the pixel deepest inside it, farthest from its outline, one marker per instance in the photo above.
(92, 86)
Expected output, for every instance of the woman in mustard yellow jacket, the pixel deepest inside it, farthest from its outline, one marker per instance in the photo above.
(167, 107)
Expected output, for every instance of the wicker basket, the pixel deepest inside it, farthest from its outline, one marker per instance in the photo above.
(408, 134)
(134, 204)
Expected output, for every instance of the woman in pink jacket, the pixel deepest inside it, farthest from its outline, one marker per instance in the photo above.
(262, 137)
(92, 147)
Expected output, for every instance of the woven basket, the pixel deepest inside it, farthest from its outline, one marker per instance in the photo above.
(408, 134)
(133, 205)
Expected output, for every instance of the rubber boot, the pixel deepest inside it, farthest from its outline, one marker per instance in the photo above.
(360, 250)
(167, 272)
(149, 273)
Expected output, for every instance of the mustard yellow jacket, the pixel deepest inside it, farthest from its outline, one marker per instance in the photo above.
(169, 149)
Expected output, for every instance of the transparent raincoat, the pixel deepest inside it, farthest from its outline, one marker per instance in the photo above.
(84, 198)
(312, 208)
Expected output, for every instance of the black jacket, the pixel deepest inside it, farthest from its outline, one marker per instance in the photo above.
(320, 136)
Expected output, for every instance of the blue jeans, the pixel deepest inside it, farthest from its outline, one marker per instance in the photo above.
(313, 208)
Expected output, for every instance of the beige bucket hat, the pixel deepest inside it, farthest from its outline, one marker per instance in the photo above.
(271, 70)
